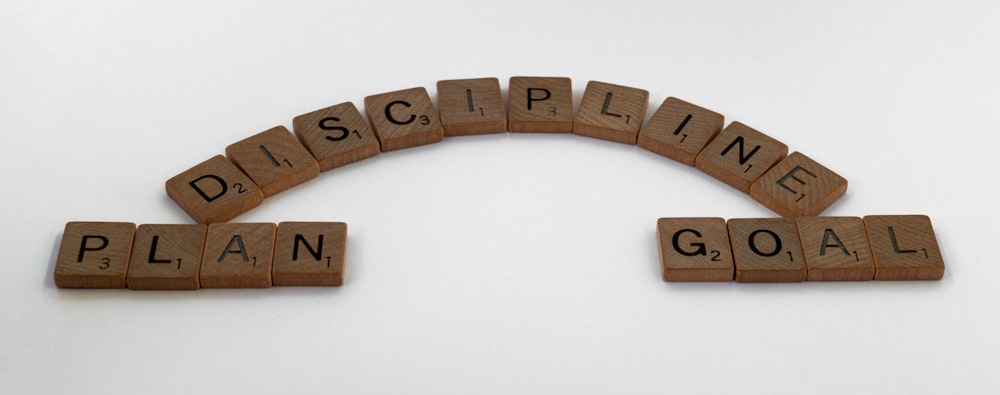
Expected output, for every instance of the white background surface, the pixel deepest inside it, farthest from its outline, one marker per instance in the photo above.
(502, 263)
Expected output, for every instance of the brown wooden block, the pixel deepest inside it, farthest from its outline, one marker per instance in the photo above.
(214, 191)
(739, 155)
(274, 160)
(94, 254)
(904, 247)
(695, 249)
(766, 250)
(798, 186)
(310, 253)
(336, 135)
(238, 255)
(680, 130)
(611, 112)
(166, 257)
(471, 106)
(835, 248)
(540, 104)
(404, 119)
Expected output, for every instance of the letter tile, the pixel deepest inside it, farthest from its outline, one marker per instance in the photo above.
(695, 249)
(611, 112)
(336, 135)
(94, 255)
(403, 119)
(214, 191)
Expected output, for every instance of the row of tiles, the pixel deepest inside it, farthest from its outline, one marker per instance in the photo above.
(192, 256)
(269, 162)
(880, 247)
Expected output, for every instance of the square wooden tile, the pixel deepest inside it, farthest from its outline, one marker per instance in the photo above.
(336, 135)
(310, 253)
(611, 112)
(695, 249)
(166, 257)
(904, 247)
(471, 106)
(835, 248)
(238, 255)
(680, 130)
(798, 186)
(540, 105)
(766, 250)
(274, 160)
(94, 254)
(214, 191)
(739, 155)
(404, 119)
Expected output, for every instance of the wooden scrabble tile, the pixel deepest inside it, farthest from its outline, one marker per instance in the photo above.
(214, 191)
(766, 250)
(336, 135)
(680, 130)
(540, 104)
(739, 155)
(274, 160)
(611, 112)
(904, 247)
(238, 255)
(798, 186)
(404, 119)
(695, 249)
(94, 254)
(471, 106)
(310, 253)
(166, 257)
(835, 248)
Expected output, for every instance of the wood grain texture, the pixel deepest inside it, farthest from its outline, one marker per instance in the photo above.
(214, 191)
(798, 186)
(94, 255)
(611, 112)
(540, 105)
(904, 247)
(739, 155)
(471, 106)
(766, 250)
(403, 119)
(695, 249)
(274, 160)
(310, 253)
(835, 248)
(680, 130)
(166, 256)
(238, 255)
(336, 135)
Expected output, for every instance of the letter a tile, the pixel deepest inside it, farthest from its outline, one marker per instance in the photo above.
(214, 191)
(274, 160)
(904, 247)
(835, 248)
(94, 255)
(695, 249)
(238, 255)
